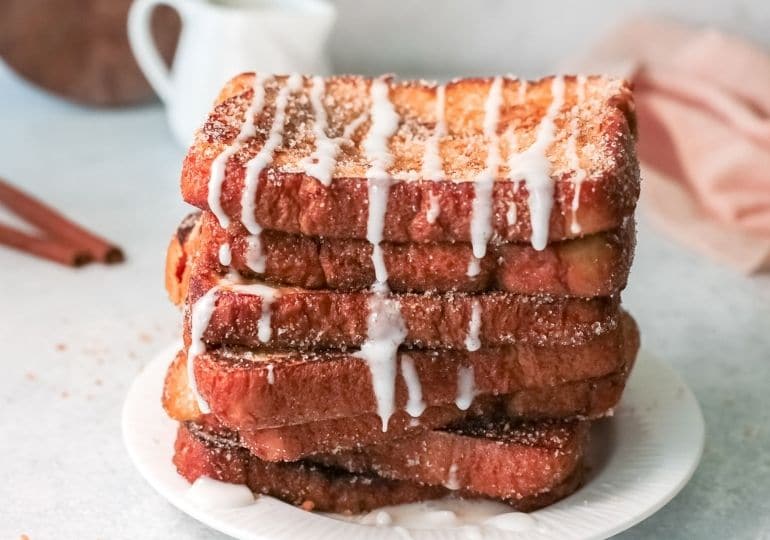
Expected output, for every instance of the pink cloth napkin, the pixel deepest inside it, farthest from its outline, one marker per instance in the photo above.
(703, 103)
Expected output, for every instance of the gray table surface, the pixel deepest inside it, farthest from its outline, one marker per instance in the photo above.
(73, 341)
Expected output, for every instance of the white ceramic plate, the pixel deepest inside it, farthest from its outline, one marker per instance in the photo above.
(640, 459)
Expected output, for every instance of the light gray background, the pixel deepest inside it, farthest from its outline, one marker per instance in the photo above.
(481, 37)
(72, 341)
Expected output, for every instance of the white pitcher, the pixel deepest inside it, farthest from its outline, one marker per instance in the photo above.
(221, 39)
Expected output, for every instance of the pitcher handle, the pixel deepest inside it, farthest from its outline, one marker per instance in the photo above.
(143, 45)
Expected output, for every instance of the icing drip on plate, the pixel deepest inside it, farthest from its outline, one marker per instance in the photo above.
(481, 216)
(572, 154)
(247, 131)
(533, 166)
(256, 165)
(210, 494)
(385, 325)
(432, 165)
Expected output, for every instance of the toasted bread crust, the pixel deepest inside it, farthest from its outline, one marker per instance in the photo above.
(595, 265)
(316, 319)
(496, 458)
(304, 319)
(290, 201)
(305, 388)
(180, 254)
(303, 484)
(588, 399)
(331, 489)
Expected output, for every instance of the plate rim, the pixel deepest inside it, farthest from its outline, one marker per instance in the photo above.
(218, 520)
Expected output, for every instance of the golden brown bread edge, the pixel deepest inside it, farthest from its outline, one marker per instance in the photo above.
(588, 399)
(595, 265)
(495, 457)
(313, 319)
(292, 202)
(247, 390)
(551, 474)
(304, 319)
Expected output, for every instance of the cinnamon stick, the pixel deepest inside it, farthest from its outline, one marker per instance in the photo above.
(58, 226)
(46, 248)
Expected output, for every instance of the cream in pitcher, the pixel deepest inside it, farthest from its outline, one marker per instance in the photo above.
(222, 38)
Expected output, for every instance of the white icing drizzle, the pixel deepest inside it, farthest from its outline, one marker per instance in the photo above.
(384, 125)
(481, 216)
(511, 215)
(432, 165)
(324, 159)
(452, 482)
(512, 521)
(256, 165)
(270, 374)
(255, 259)
(225, 254)
(247, 131)
(572, 154)
(268, 295)
(385, 326)
(474, 267)
(534, 167)
(214, 494)
(414, 404)
(466, 388)
(322, 162)
(472, 341)
(385, 332)
(433, 208)
(200, 316)
(470, 519)
(521, 94)
(377, 517)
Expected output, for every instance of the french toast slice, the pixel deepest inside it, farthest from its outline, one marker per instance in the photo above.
(313, 487)
(255, 315)
(305, 319)
(552, 457)
(494, 457)
(591, 158)
(595, 265)
(590, 399)
(248, 390)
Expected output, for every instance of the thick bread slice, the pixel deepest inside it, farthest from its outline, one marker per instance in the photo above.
(589, 399)
(601, 128)
(311, 486)
(496, 458)
(200, 452)
(305, 319)
(595, 265)
(251, 391)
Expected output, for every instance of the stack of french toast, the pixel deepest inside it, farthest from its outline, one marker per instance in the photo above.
(400, 291)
